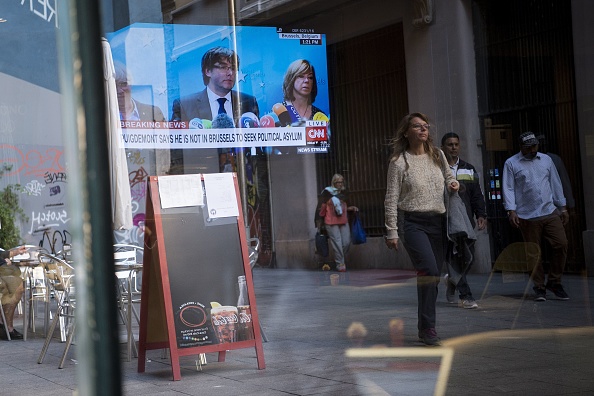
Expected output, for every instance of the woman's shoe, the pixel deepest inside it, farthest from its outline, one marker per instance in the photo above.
(429, 337)
(341, 268)
(15, 335)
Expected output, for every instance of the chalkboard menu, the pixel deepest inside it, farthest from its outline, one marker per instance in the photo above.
(197, 293)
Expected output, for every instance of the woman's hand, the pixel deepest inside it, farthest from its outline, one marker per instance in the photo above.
(392, 243)
(454, 185)
(353, 209)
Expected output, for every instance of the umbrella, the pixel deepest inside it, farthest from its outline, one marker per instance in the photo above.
(121, 200)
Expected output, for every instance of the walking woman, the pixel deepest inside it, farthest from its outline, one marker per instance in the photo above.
(417, 175)
(333, 204)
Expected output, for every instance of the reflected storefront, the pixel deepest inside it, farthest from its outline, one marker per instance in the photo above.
(486, 72)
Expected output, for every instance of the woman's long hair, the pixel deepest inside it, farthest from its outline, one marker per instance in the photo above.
(400, 143)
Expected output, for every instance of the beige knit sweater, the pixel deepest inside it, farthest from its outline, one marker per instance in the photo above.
(417, 189)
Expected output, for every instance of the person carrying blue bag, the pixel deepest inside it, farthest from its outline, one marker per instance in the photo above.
(331, 214)
(358, 235)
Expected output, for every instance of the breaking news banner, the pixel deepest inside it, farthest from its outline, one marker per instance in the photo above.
(179, 134)
(189, 86)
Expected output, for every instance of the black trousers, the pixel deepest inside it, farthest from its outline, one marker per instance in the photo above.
(423, 236)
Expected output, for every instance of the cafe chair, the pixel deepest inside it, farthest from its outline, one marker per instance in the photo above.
(519, 258)
(36, 292)
(2, 312)
(253, 245)
(128, 265)
(2, 309)
(59, 278)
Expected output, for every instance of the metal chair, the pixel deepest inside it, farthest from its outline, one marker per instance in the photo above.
(2, 313)
(253, 244)
(2, 308)
(59, 277)
(128, 263)
(36, 291)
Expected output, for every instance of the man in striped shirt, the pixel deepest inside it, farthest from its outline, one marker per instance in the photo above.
(533, 198)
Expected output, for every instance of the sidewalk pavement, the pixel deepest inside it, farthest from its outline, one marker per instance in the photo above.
(359, 337)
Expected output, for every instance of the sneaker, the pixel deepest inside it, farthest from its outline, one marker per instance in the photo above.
(15, 335)
(467, 303)
(541, 294)
(341, 267)
(558, 291)
(450, 291)
(429, 337)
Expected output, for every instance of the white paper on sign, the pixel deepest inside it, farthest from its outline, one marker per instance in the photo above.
(220, 195)
(180, 190)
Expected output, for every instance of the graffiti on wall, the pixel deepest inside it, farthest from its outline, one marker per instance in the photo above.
(42, 175)
(36, 162)
(138, 177)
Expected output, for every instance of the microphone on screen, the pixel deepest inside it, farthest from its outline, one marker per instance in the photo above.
(295, 117)
(282, 113)
(196, 123)
(249, 120)
(267, 121)
(251, 115)
(206, 123)
(222, 121)
(319, 116)
(275, 118)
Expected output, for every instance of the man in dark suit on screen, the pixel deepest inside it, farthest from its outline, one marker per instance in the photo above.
(219, 71)
(217, 102)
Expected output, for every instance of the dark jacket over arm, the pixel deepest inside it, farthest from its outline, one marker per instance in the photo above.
(472, 196)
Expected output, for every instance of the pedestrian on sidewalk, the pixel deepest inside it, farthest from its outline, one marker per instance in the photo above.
(417, 175)
(471, 194)
(332, 215)
(533, 198)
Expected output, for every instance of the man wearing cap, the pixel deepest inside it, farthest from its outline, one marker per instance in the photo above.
(533, 198)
